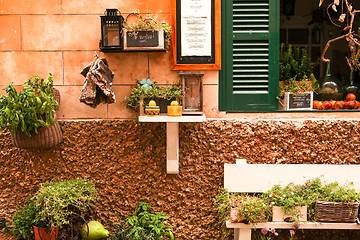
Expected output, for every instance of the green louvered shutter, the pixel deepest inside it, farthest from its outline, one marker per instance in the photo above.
(250, 50)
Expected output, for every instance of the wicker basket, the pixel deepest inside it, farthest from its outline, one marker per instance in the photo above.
(336, 212)
(47, 137)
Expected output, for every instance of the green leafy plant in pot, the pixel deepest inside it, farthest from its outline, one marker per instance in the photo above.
(30, 114)
(55, 205)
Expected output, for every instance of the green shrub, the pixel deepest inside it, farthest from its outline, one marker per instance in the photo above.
(53, 205)
(23, 220)
(55, 202)
(143, 225)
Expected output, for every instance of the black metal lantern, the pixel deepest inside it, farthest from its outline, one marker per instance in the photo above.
(191, 84)
(111, 26)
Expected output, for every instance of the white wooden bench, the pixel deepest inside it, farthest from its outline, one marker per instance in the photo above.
(252, 178)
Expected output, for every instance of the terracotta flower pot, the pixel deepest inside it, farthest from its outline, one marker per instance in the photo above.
(45, 233)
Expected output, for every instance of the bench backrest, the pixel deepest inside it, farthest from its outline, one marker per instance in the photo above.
(243, 177)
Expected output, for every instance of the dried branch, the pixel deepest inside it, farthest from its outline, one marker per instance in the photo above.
(349, 36)
(328, 45)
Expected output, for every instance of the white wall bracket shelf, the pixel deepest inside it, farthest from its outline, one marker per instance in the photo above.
(172, 137)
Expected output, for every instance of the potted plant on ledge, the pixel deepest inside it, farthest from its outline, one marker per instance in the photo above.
(296, 95)
(30, 114)
(297, 82)
(242, 207)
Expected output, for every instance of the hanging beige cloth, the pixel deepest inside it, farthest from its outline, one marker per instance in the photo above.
(98, 81)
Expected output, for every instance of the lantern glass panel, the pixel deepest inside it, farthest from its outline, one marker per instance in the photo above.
(192, 93)
(111, 35)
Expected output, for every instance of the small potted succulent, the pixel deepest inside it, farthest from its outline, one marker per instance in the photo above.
(55, 205)
(146, 90)
(30, 114)
(146, 35)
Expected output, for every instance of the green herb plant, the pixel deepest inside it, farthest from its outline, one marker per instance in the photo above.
(29, 109)
(253, 208)
(223, 202)
(145, 224)
(23, 220)
(147, 90)
(56, 201)
(296, 71)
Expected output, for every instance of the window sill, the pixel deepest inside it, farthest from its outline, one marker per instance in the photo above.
(286, 115)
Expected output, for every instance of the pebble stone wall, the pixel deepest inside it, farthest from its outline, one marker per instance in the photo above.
(126, 160)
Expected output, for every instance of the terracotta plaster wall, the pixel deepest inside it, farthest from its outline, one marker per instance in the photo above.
(61, 36)
(126, 161)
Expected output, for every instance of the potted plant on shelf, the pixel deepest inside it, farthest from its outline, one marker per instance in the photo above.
(337, 203)
(146, 35)
(252, 209)
(288, 203)
(297, 82)
(242, 207)
(55, 205)
(145, 90)
(30, 114)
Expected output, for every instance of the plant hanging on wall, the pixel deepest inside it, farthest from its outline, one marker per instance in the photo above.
(29, 109)
(148, 25)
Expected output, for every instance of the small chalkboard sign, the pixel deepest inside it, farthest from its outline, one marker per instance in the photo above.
(296, 101)
(300, 100)
(143, 39)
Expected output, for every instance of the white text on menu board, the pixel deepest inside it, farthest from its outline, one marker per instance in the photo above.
(195, 27)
